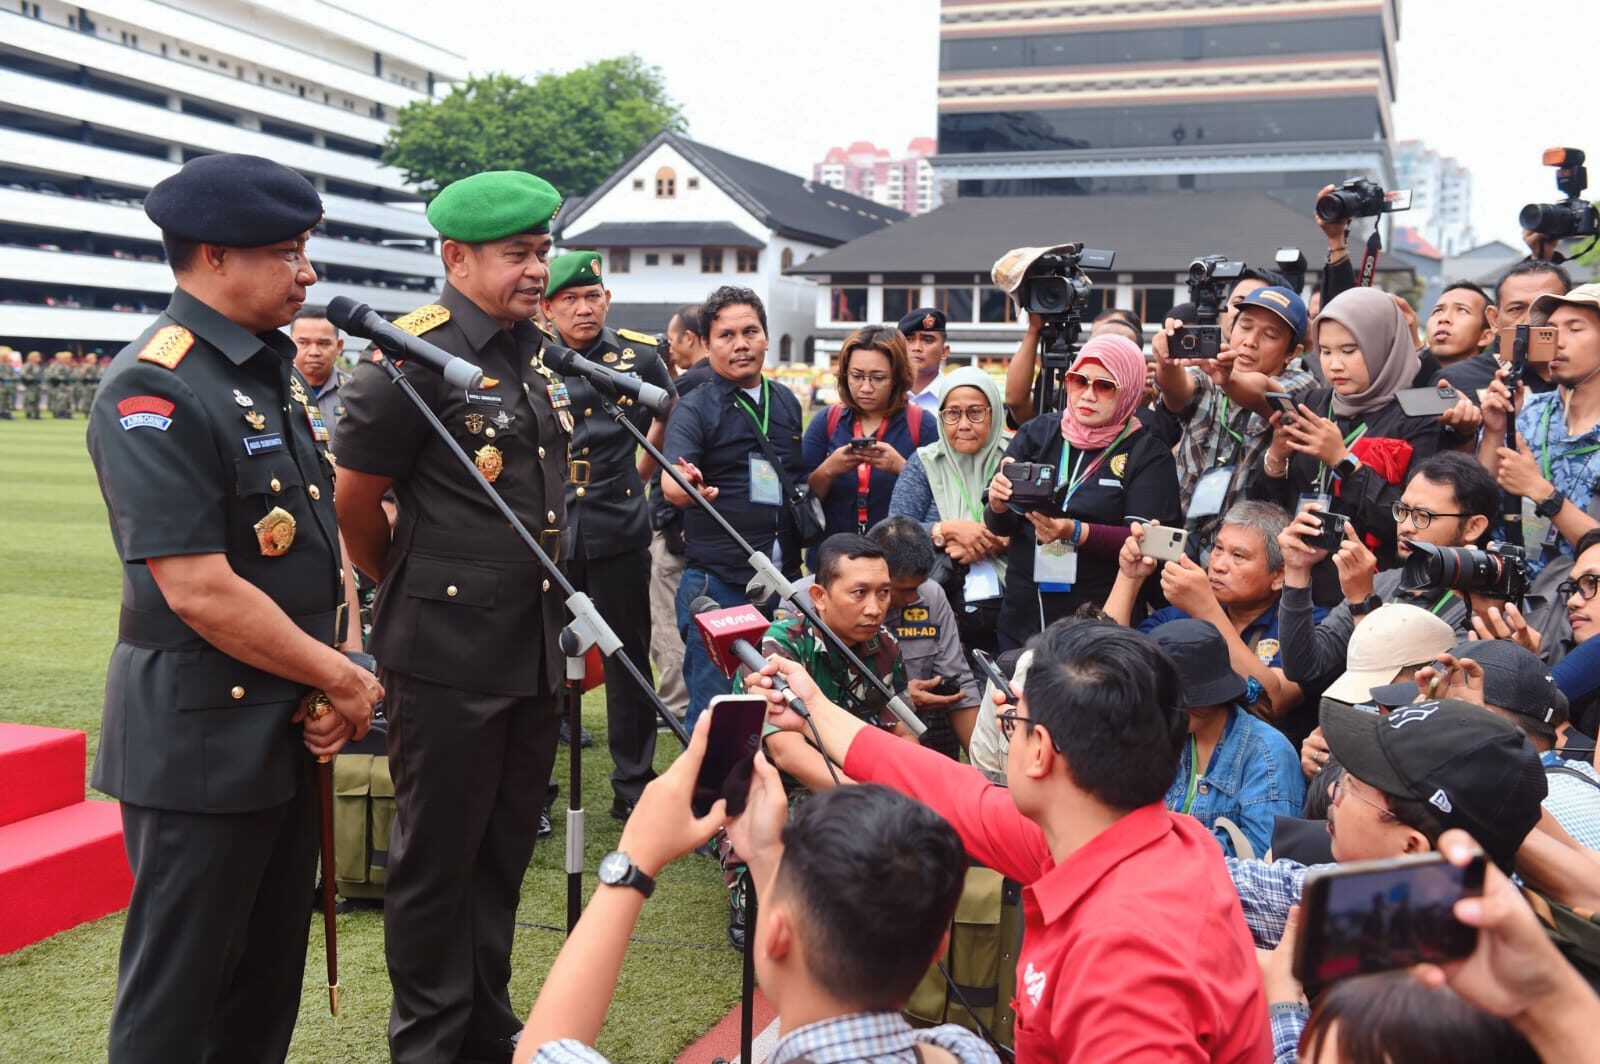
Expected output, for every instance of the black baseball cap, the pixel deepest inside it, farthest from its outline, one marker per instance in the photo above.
(1201, 654)
(1473, 769)
(1516, 680)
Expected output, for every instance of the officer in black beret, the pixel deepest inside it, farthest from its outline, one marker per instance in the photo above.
(926, 346)
(212, 460)
(464, 627)
(606, 505)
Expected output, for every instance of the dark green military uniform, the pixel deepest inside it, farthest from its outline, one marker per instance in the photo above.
(59, 386)
(609, 516)
(465, 633)
(82, 387)
(32, 384)
(10, 384)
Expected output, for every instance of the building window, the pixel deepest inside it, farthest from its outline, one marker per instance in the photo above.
(666, 183)
(994, 306)
(692, 182)
(621, 261)
(898, 302)
(955, 302)
(786, 260)
(747, 260)
(847, 304)
(638, 184)
(710, 260)
(651, 258)
(679, 258)
(1152, 304)
(785, 348)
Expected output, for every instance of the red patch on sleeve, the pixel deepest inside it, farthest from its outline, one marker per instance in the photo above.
(145, 404)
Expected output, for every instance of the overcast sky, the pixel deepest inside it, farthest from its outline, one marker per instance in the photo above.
(782, 82)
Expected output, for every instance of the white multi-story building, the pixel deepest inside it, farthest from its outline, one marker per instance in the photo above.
(103, 100)
(1441, 196)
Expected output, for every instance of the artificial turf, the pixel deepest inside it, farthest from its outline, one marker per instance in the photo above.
(59, 590)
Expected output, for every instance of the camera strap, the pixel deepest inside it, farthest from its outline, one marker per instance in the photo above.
(1369, 258)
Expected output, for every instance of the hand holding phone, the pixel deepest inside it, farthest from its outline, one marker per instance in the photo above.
(737, 722)
(992, 673)
(863, 443)
(1163, 543)
(1283, 403)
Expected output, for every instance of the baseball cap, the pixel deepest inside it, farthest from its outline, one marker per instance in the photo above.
(1473, 769)
(1585, 295)
(1515, 679)
(1393, 636)
(1201, 654)
(1284, 303)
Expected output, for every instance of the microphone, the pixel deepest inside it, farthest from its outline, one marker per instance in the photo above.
(358, 319)
(568, 363)
(725, 633)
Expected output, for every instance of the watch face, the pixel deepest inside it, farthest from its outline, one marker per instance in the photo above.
(614, 868)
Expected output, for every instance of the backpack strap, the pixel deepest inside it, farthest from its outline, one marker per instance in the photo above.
(914, 423)
(1242, 849)
(836, 413)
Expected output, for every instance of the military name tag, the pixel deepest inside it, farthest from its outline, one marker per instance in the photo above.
(272, 441)
(484, 399)
(275, 532)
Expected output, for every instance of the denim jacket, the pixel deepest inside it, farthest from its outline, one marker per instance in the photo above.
(1254, 776)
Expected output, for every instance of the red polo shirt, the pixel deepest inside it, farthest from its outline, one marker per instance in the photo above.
(1134, 948)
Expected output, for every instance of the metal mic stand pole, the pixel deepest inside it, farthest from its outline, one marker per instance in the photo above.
(767, 575)
(586, 629)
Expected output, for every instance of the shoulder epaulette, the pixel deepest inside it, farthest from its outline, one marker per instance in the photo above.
(423, 319)
(638, 337)
(168, 346)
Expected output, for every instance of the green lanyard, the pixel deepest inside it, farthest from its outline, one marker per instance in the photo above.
(1544, 448)
(1349, 440)
(1078, 478)
(1443, 599)
(766, 407)
(1222, 421)
(1194, 775)
(972, 508)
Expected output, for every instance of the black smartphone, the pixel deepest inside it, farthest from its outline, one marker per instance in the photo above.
(1331, 538)
(1426, 402)
(736, 725)
(992, 673)
(1195, 341)
(947, 685)
(1374, 916)
(1283, 403)
(863, 443)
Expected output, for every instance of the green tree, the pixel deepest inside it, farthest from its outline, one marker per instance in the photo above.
(572, 129)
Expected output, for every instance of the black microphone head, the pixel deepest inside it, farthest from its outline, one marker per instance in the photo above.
(704, 604)
(347, 314)
(559, 358)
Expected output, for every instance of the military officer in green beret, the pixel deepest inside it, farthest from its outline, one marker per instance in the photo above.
(606, 505)
(212, 463)
(465, 625)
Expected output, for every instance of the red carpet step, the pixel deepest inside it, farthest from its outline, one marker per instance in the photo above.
(61, 858)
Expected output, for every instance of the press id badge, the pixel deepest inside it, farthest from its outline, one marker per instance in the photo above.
(1537, 532)
(765, 487)
(982, 582)
(1314, 500)
(1209, 492)
(1055, 566)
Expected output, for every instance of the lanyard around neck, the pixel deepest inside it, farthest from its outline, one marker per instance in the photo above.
(1077, 479)
(766, 405)
(1194, 775)
(1544, 446)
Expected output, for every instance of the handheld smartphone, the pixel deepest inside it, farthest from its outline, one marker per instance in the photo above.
(992, 673)
(1427, 402)
(1163, 543)
(1283, 403)
(1196, 341)
(1530, 343)
(947, 685)
(863, 443)
(736, 725)
(1331, 538)
(1374, 916)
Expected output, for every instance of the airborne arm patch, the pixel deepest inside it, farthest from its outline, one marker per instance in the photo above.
(637, 337)
(168, 346)
(423, 319)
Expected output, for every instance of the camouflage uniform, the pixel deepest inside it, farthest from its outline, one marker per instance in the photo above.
(10, 384)
(32, 383)
(59, 386)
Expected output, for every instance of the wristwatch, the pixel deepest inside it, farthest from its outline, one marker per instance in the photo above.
(1347, 467)
(1366, 605)
(938, 534)
(618, 870)
(1551, 505)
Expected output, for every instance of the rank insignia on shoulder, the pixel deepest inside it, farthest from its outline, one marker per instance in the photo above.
(423, 319)
(145, 412)
(168, 346)
(637, 337)
(610, 356)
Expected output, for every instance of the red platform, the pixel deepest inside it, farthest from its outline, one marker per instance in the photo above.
(61, 858)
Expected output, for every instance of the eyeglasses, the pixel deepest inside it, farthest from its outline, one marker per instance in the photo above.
(1341, 787)
(952, 415)
(1421, 518)
(1101, 386)
(877, 380)
(1585, 585)
(1008, 722)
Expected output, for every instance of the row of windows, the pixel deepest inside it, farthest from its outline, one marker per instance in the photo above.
(1251, 40)
(745, 260)
(1195, 124)
(985, 305)
(667, 183)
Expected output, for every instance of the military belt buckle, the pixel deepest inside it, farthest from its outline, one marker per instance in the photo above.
(580, 475)
(550, 541)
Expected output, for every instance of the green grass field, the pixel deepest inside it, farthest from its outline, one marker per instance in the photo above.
(59, 589)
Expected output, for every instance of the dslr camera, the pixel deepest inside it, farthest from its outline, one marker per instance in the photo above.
(1055, 286)
(1033, 485)
(1211, 278)
(1361, 198)
(1499, 570)
(1572, 216)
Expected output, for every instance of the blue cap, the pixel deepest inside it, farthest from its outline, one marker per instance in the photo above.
(1285, 304)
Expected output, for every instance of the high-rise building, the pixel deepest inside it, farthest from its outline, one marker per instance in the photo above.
(101, 100)
(905, 183)
(1441, 196)
(1064, 96)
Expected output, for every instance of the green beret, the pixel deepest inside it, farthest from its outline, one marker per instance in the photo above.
(575, 268)
(494, 205)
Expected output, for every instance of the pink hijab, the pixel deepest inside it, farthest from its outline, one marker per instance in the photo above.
(1121, 358)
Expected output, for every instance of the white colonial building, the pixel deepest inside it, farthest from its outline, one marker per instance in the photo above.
(105, 99)
(681, 218)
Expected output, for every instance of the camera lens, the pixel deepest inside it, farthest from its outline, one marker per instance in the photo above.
(1336, 206)
(1188, 341)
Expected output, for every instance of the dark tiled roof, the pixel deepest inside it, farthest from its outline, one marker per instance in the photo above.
(661, 235)
(1150, 232)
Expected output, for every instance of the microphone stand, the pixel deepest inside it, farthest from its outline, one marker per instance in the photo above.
(587, 629)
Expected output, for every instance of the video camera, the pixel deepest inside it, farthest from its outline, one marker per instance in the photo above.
(1056, 291)
(1361, 198)
(1499, 570)
(1211, 278)
(1572, 216)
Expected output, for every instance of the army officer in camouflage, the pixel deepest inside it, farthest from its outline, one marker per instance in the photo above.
(212, 460)
(464, 626)
(606, 504)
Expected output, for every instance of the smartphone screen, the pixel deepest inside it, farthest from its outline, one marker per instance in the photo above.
(736, 725)
(1374, 916)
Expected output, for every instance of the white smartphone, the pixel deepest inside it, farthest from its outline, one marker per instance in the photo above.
(1163, 543)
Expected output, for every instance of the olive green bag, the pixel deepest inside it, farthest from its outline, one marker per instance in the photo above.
(985, 938)
(363, 816)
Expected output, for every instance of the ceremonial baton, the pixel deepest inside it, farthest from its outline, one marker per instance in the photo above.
(319, 707)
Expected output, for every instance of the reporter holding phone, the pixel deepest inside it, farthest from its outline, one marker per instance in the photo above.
(1107, 468)
(853, 451)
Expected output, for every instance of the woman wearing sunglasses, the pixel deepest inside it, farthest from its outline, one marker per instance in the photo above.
(854, 450)
(1104, 468)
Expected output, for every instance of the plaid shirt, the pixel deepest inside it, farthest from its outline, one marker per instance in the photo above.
(1219, 432)
(1574, 802)
(1266, 891)
(867, 1037)
(1573, 462)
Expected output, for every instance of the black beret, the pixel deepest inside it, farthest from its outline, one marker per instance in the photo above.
(923, 319)
(238, 201)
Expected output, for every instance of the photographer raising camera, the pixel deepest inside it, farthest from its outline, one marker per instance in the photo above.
(1067, 485)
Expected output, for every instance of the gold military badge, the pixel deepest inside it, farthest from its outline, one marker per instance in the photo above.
(275, 532)
(490, 462)
(474, 423)
(254, 419)
(1119, 465)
